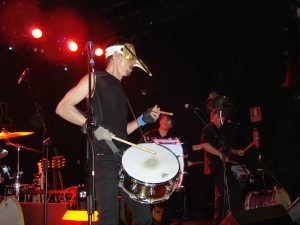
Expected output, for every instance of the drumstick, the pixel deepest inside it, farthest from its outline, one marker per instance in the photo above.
(249, 146)
(134, 145)
(166, 113)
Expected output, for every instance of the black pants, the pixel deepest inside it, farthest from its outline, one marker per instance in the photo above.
(235, 194)
(107, 192)
(171, 209)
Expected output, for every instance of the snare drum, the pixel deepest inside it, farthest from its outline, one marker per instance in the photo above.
(11, 212)
(258, 199)
(149, 178)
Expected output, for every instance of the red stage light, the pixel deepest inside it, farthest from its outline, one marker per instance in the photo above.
(73, 46)
(98, 51)
(36, 33)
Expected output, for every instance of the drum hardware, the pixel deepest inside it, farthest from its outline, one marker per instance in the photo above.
(5, 170)
(3, 153)
(9, 143)
(17, 176)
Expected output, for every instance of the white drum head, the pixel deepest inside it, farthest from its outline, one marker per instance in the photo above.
(150, 168)
(11, 212)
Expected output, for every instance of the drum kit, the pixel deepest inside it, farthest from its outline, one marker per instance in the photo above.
(5, 170)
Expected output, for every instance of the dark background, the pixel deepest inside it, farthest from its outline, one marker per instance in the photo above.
(246, 50)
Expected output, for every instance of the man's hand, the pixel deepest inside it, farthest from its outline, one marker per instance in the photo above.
(149, 116)
(103, 134)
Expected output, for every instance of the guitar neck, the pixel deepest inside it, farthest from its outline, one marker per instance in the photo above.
(196, 147)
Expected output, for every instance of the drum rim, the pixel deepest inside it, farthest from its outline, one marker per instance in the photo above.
(149, 183)
(152, 143)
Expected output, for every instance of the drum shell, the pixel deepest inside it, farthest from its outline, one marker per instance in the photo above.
(149, 193)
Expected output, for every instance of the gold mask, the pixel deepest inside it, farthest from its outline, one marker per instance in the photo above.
(129, 53)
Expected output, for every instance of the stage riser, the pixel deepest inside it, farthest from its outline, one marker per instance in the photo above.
(33, 213)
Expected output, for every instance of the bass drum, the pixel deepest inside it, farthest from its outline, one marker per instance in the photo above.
(11, 212)
(258, 199)
(149, 178)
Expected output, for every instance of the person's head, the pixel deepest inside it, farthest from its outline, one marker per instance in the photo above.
(219, 108)
(166, 122)
(121, 57)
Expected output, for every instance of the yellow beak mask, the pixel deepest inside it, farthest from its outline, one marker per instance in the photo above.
(129, 53)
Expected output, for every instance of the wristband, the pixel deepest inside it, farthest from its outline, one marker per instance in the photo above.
(140, 121)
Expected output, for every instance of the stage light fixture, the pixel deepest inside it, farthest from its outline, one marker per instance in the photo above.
(36, 33)
(98, 51)
(73, 46)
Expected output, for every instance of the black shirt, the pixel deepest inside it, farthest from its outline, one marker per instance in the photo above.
(110, 105)
(223, 139)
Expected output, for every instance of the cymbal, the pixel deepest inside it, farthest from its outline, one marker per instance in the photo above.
(3, 153)
(6, 135)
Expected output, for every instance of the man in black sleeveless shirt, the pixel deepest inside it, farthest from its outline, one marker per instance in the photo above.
(222, 146)
(110, 109)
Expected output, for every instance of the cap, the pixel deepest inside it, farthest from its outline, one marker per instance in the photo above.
(129, 53)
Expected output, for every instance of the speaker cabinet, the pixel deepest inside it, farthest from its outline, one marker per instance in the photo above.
(294, 211)
(33, 213)
(271, 215)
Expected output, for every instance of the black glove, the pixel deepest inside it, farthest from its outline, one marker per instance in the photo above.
(147, 118)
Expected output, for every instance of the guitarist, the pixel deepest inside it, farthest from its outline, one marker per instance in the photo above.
(219, 139)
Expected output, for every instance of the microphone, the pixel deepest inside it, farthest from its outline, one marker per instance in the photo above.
(23, 75)
(89, 46)
(187, 106)
(220, 116)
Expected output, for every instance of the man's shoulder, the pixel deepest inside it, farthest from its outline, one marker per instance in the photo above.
(101, 73)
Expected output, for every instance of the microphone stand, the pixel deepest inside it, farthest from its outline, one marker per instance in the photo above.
(227, 207)
(44, 146)
(89, 152)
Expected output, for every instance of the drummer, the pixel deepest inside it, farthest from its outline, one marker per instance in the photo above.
(173, 205)
(110, 110)
(164, 130)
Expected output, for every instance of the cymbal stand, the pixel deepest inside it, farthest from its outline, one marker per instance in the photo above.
(18, 175)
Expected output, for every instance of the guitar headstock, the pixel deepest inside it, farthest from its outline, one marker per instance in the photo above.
(196, 147)
(58, 162)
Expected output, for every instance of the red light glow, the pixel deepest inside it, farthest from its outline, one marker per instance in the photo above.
(98, 51)
(73, 46)
(37, 33)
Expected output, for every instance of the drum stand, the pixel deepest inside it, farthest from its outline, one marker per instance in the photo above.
(17, 184)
